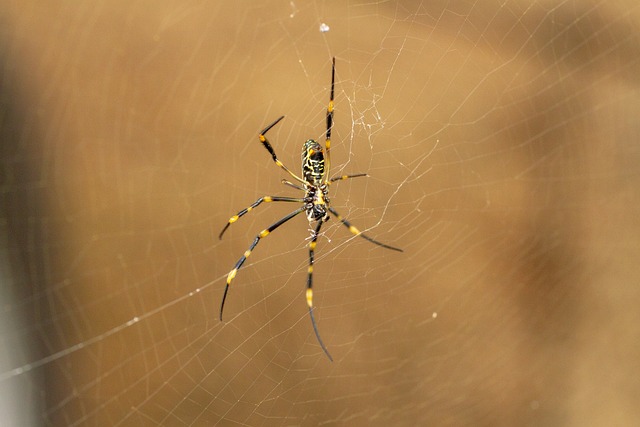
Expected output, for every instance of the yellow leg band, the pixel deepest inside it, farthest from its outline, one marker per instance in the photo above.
(231, 275)
(309, 298)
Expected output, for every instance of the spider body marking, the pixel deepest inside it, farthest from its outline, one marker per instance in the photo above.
(316, 188)
(315, 184)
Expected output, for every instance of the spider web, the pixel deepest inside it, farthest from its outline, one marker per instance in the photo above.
(501, 143)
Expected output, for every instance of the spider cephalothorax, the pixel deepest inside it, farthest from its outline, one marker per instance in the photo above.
(315, 184)
(316, 203)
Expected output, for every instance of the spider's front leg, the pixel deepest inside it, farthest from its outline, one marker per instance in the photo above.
(265, 199)
(357, 232)
(312, 249)
(263, 233)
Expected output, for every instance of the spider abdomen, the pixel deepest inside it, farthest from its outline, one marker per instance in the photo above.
(313, 162)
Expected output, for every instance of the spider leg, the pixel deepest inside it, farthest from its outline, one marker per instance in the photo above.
(327, 143)
(343, 177)
(291, 184)
(357, 232)
(312, 248)
(266, 199)
(244, 257)
(269, 148)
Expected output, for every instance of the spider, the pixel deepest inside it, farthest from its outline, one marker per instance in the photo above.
(315, 202)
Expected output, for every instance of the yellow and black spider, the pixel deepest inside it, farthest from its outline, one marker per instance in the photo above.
(315, 203)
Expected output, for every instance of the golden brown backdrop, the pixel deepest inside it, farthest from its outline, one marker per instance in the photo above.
(502, 143)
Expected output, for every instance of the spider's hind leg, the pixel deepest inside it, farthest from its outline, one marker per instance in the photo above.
(265, 142)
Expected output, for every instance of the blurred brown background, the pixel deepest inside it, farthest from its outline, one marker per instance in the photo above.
(502, 143)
